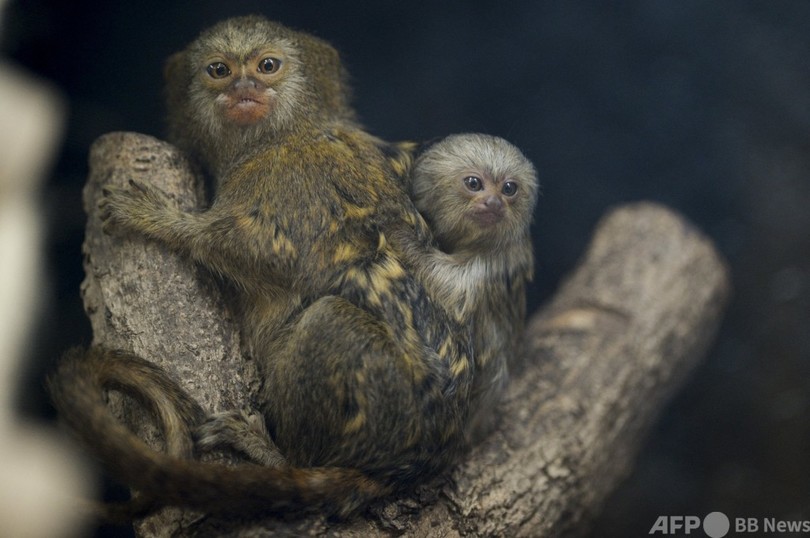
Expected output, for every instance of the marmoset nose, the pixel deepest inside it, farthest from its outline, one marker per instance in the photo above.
(494, 202)
(246, 83)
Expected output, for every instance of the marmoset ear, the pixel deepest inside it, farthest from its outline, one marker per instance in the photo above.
(425, 145)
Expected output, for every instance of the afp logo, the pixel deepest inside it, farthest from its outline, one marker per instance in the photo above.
(714, 525)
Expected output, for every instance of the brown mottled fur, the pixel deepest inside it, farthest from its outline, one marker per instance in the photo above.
(367, 379)
(486, 256)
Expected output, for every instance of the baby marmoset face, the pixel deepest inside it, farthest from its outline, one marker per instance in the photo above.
(477, 191)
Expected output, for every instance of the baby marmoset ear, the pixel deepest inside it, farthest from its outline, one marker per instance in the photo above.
(422, 147)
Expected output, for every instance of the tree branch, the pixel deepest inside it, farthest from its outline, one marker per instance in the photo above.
(603, 357)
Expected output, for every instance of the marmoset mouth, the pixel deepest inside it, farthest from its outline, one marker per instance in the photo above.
(247, 101)
(486, 217)
(246, 110)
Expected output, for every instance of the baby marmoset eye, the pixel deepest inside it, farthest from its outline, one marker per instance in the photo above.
(473, 183)
(509, 188)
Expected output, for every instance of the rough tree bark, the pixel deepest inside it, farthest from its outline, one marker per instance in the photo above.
(603, 357)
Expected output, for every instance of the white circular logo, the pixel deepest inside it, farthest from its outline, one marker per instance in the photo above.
(716, 525)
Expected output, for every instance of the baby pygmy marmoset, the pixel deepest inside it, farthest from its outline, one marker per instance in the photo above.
(478, 193)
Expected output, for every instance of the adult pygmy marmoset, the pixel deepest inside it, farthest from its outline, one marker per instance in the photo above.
(367, 378)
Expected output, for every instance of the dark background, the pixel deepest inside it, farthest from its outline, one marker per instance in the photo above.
(704, 106)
